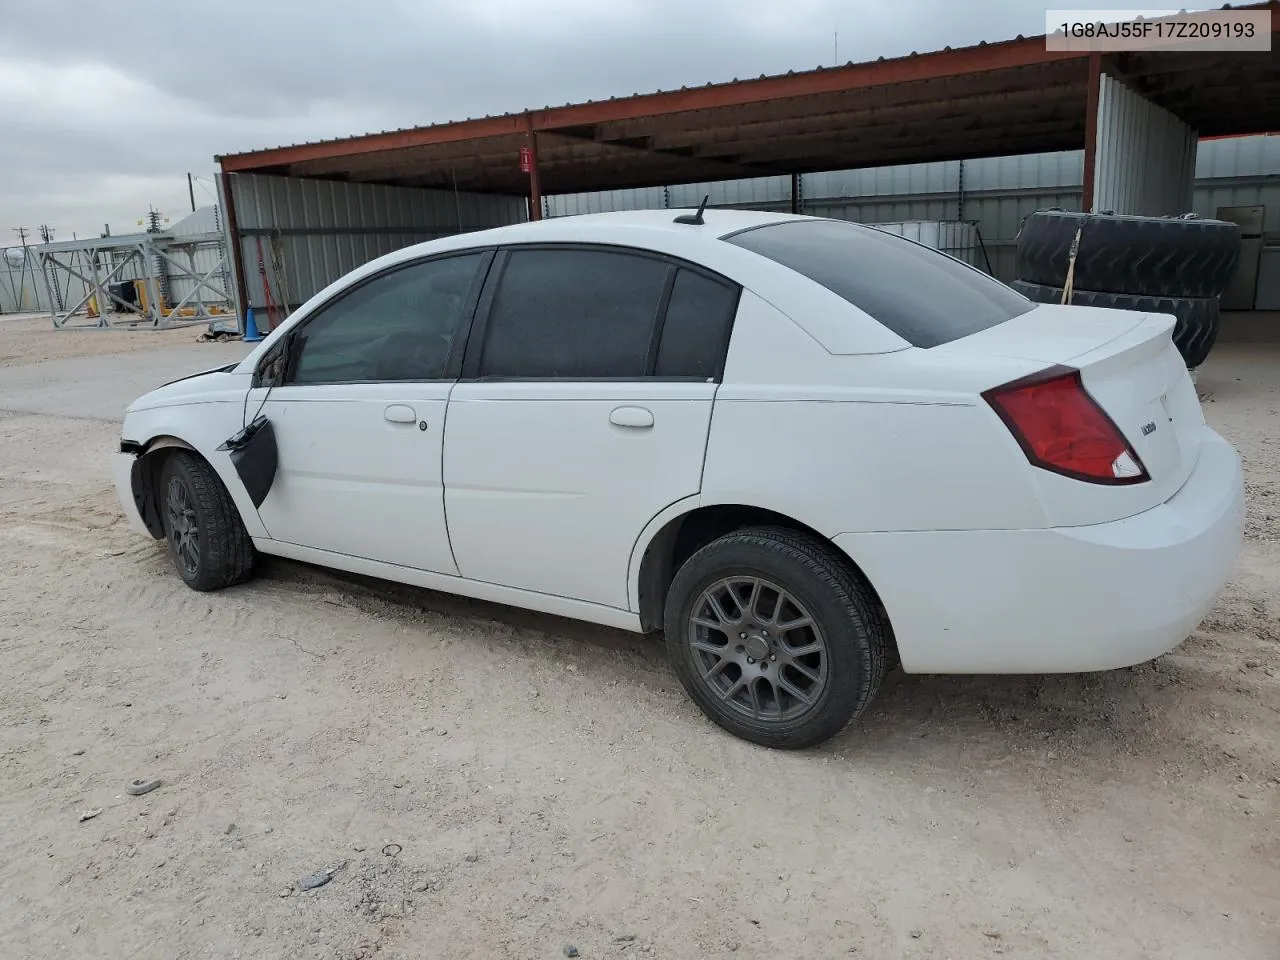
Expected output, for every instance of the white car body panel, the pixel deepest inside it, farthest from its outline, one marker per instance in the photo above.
(1138, 378)
(475, 589)
(542, 470)
(352, 481)
(202, 412)
(984, 562)
(1063, 599)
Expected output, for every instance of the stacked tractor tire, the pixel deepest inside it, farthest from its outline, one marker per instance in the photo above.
(1156, 265)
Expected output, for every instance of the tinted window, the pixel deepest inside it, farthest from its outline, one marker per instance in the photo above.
(923, 296)
(399, 326)
(573, 313)
(696, 332)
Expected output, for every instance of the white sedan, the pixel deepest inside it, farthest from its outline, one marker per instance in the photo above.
(805, 449)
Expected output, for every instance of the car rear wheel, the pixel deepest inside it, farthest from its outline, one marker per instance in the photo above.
(775, 637)
(207, 542)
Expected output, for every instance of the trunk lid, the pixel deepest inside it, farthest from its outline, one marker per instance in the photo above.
(1129, 365)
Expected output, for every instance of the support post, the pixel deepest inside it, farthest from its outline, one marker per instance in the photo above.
(535, 188)
(99, 292)
(236, 252)
(795, 193)
(151, 267)
(191, 265)
(1091, 131)
(49, 286)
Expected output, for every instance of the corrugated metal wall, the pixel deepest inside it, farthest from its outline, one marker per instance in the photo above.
(995, 193)
(1146, 156)
(21, 286)
(312, 232)
(1240, 171)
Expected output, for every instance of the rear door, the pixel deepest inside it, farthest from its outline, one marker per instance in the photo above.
(582, 413)
(359, 419)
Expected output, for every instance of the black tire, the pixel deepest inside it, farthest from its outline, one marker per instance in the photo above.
(1146, 256)
(1197, 317)
(191, 497)
(823, 586)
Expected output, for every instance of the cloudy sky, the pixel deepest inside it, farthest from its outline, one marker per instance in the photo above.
(105, 107)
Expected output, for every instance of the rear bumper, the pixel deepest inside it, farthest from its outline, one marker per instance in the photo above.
(1067, 599)
(122, 474)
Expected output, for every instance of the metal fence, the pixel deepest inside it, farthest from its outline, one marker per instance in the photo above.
(22, 289)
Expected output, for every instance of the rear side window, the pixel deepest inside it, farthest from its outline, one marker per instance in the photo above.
(923, 296)
(695, 335)
(573, 313)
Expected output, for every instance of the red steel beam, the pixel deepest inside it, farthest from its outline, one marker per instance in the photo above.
(391, 140)
(236, 251)
(535, 188)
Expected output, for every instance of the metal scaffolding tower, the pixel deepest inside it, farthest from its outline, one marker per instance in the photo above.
(129, 280)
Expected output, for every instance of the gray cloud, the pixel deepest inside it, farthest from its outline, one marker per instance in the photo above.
(111, 116)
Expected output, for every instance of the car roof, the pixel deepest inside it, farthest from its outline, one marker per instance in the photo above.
(716, 223)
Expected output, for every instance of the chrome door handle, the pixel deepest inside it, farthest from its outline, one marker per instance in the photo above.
(400, 413)
(636, 417)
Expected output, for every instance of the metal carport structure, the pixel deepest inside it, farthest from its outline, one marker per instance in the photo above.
(1128, 111)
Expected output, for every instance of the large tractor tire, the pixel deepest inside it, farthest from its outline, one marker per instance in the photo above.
(1142, 256)
(1197, 317)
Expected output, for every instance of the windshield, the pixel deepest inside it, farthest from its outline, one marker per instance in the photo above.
(922, 295)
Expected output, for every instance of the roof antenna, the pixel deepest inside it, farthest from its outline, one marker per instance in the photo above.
(694, 218)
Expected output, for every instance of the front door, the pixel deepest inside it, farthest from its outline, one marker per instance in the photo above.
(359, 419)
(583, 412)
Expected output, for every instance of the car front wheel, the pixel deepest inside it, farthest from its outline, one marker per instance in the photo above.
(775, 637)
(207, 542)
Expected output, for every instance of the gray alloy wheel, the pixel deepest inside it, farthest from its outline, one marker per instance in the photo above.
(776, 636)
(758, 648)
(206, 539)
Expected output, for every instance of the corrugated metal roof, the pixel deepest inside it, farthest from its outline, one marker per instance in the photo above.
(1001, 98)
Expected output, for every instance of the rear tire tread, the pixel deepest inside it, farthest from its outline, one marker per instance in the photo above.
(1197, 318)
(1143, 256)
(826, 569)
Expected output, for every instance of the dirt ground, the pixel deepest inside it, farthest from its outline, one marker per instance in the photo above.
(484, 783)
(31, 338)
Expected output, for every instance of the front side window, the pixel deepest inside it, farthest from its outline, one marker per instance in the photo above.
(923, 296)
(565, 313)
(399, 326)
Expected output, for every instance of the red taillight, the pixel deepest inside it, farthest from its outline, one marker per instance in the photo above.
(1061, 428)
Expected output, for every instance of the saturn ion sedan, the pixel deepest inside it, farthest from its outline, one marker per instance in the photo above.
(806, 450)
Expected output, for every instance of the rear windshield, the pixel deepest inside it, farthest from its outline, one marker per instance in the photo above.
(923, 296)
